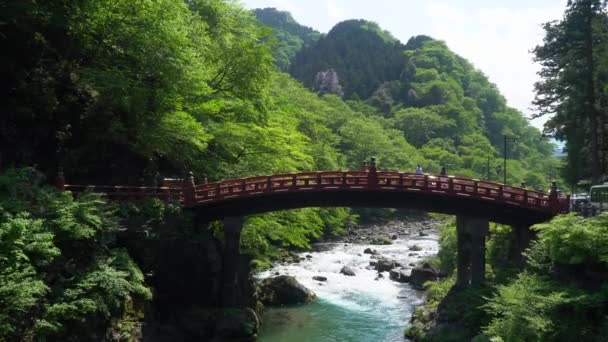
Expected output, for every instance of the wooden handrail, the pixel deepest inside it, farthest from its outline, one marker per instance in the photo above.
(192, 194)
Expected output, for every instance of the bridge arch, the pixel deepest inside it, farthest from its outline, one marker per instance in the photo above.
(473, 201)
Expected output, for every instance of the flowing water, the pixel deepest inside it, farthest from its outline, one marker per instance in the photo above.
(361, 308)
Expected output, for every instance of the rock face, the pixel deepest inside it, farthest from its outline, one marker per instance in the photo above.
(319, 278)
(284, 290)
(237, 323)
(423, 273)
(347, 271)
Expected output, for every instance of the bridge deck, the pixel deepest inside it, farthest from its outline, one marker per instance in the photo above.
(192, 195)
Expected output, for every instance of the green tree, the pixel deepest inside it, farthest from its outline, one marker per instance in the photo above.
(570, 60)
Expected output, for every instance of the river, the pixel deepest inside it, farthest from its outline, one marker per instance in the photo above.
(361, 308)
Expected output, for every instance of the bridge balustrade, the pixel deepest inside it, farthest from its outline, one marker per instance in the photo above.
(333, 180)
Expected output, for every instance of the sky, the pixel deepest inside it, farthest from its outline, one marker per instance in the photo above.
(496, 36)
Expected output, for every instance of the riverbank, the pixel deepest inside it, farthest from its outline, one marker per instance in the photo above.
(368, 306)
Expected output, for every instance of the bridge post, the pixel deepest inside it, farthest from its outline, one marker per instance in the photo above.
(463, 262)
(553, 200)
(189, 190)
(372, 176)
(471, 235)
(479, 229)
(230, 260)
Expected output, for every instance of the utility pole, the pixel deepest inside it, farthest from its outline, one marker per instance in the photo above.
(488, 170)
(505, 160)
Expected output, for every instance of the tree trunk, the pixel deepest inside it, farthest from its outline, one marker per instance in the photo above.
(591, 98)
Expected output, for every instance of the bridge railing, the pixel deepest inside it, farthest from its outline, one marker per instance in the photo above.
(190, 194)
(448, 185)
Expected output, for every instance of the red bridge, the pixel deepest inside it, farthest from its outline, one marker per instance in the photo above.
(368, 188)
(474, 202)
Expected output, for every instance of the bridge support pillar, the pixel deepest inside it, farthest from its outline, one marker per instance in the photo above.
(521, 238)
(231, 260)
(471, 234)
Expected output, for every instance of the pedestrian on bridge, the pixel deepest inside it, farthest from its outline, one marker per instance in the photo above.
(443, 172)
(419, 170)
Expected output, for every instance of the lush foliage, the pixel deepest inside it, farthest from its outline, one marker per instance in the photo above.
(291, 36)
(57, 263)
(573, 86)
(563, 296)
(435, 99)
(130, 91)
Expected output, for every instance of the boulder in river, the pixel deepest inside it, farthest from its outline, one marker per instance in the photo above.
(386, 265)
(284, 290)
(347, 271)
(423, 273)
(319, 278)
(415, 248)
(381, 241)
(370, 251)
(399, 275)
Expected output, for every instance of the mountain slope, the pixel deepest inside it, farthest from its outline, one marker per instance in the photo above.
(363, 55)
(291, 36)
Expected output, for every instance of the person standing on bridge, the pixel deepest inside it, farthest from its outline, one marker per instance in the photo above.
(443, 172)
(419, 170)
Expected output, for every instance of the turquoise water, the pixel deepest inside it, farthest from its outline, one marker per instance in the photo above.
(358, 309)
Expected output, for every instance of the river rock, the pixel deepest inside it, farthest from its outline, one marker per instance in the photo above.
(319, 278)
(415, 248)
(370, 251)
(381, 241)
(423, 273)
(308, 256)
(394, 237)
(284, 290)
(237, 324)
(347, 271)
(398, 275)
(386, 265)
(373, 263)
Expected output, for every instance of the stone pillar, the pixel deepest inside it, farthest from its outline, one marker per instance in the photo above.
(479, 229)
(471, 263)
(463, 277)
(230, 260)
(521, 236)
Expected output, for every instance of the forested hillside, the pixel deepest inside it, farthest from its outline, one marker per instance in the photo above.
(291, 36)
(127, 92)
(438, 101)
